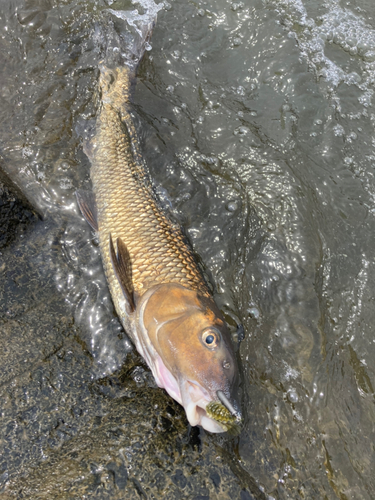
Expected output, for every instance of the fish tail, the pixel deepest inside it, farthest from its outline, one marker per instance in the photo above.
(141, 42)
(128, 35)
(122, 39)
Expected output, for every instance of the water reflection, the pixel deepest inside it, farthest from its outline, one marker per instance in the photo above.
(257, 123)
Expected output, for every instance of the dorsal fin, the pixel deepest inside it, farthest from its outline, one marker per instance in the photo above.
(122, 266)
(87, 204)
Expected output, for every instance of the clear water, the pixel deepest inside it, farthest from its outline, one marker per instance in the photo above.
(257, 122)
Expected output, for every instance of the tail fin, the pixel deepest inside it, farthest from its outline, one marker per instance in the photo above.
(128, 34)
(121, 39)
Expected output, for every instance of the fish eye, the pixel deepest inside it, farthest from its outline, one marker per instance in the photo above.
(211, 338)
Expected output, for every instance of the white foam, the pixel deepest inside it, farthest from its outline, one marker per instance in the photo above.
(341, 27)
(137, 19)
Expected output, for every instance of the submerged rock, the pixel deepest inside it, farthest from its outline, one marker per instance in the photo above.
(15, 215)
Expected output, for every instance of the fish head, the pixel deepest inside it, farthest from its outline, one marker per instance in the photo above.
(192, 355)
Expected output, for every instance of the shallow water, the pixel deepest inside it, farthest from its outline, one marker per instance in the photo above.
(257, 122)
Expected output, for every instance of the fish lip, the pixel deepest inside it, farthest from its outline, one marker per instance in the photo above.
(195, 399)
(204, 400)
(228, 405)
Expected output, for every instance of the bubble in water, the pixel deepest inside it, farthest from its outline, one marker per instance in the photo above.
(241, 131)
(293, 396)
(236, 6)
(351, 137)
(353, 78)
(232, 206)
(338, 130)
(369, 56)
(64, 165)
(254, 312)
(66, 183)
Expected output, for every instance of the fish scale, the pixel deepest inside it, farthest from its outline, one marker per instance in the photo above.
(127, 206)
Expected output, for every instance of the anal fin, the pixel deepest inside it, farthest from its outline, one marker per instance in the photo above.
(122, 266)
(87, 204)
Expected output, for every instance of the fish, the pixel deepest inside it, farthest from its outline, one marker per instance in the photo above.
(157, 288)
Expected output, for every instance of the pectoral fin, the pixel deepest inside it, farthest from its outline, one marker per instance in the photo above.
(122, 266)
(87, 204)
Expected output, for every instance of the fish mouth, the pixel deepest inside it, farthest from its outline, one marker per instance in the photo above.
(195, 400)
(225, 413)
(212, 415)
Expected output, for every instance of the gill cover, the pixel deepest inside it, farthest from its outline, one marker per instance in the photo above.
(193, 342)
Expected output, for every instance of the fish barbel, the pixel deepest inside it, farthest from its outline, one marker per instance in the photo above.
(157, 288)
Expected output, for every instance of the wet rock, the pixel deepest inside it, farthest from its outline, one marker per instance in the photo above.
(103, 460)
(15, 215)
